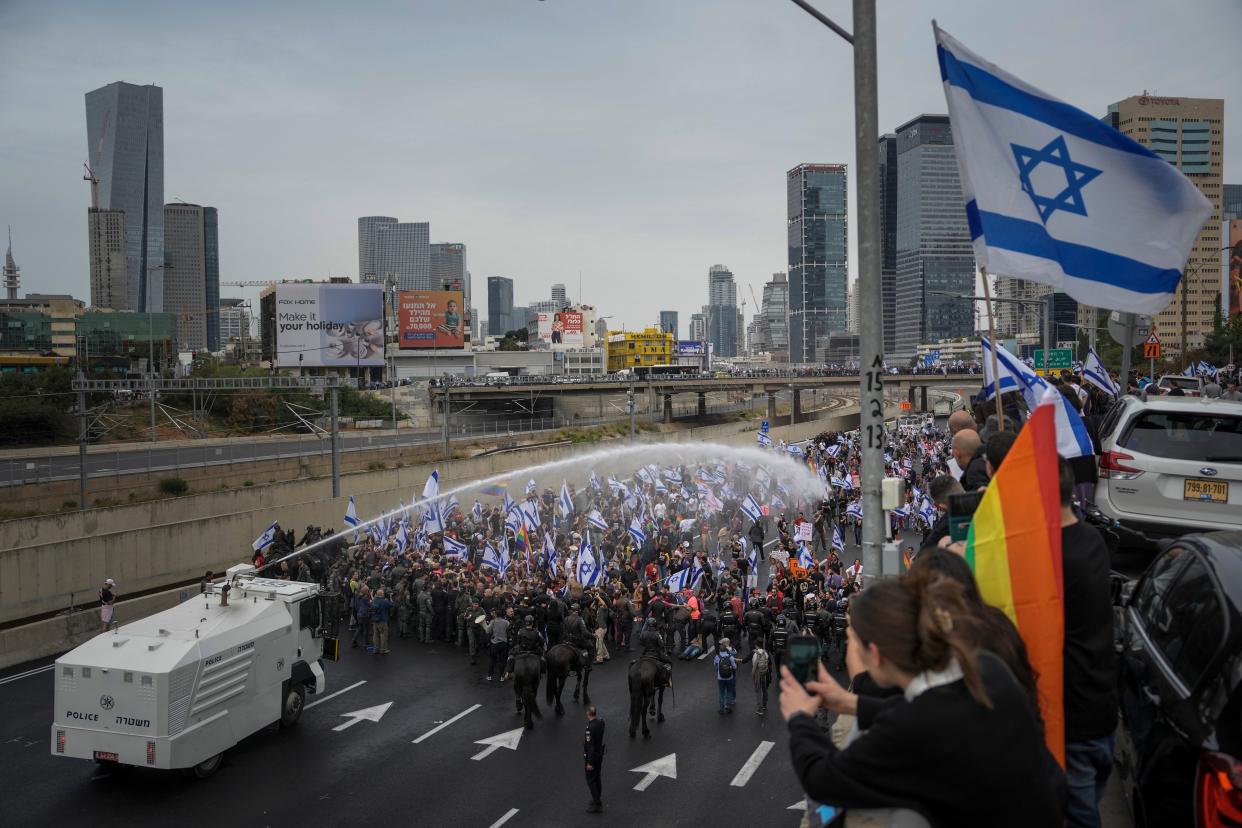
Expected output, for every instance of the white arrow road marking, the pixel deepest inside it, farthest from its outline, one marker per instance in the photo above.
(509, 739)
(664, 766)
(707, 652)
(446, 723)
(508, 816)
(318, 702)
(370, 714)
(800, 805)
(752, 764)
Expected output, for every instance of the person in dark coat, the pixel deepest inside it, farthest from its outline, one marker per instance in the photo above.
(593, 758)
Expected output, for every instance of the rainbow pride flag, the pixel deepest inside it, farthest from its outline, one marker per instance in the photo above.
(496, 489)
(521, 541)
(1014, 548)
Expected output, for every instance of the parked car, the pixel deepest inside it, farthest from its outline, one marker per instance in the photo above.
(1179, 633)
(1191, 386)
(1171, 465)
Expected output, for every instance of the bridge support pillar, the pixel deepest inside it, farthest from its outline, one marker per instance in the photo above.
(702, 404)
(796, 415)
(668, 408)
(923, 390)
(910, 396)
(772, 407)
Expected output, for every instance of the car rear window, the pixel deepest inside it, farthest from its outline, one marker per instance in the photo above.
(1184, 383)
(1187, 435)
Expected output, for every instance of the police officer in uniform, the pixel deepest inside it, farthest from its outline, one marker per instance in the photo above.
(554, 620)
(756, 627)
(730, 624)
(576, 632)
(476, 629)
(593, 757)
(779, 640)
(651, 643)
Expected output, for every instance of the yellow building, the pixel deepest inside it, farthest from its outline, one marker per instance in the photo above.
(634, 349)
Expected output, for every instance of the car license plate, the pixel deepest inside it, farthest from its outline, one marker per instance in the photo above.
(1206, 491)
(106, 756)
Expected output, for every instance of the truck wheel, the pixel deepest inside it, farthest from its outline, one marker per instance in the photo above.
(207, 767)
(291, 709)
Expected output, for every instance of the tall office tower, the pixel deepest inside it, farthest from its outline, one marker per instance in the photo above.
(756, 341)
(109, 273)
(888, 241)
(1231, 204)
(234, 320)
(818, 258)
(721, 311)
(448, 268)
(559, 295)
(851, 323)
(500, 305)
(400, 249)
(668, 322)
(698, 327)
(12, 273)
(192, 274)
(934, 254)
(1189, 133)
(125, 145)
(775, 311)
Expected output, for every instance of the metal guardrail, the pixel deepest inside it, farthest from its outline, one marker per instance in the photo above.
(209, 383)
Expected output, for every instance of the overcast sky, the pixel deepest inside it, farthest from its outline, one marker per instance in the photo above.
(635, 141)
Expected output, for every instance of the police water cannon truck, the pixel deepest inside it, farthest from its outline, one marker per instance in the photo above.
(179, 688)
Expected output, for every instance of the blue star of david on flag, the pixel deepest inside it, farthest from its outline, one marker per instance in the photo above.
(1056, 154)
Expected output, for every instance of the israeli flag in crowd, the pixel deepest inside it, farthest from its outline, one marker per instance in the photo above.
(764, 440)
(597, 520)
(402, 539)
(549, 551)
(854, 510)
(351, 516)
(493, 559)
(477, 511)
(454, 548)
(751, 509)
(1056, 196)
(531, 486)
(453, 505)
(1009, 380)
(636, 531)
(432, 487)
(432, 521)
(678, 581)
(509, 505)
(269, 535)
(837, 542)
(567, 502)
(530, 516)
(805, 559)
(752, 556)
(1094, 372)
(660, 487)
(796, 451)
(833, 451)
(927, 512)
(588, 568)
(696, 572)
(595, 481)
(1072, 437)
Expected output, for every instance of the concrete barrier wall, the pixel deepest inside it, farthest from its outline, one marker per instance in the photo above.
(50, 562)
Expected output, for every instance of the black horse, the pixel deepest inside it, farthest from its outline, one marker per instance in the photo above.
(526, 668)
(563, 659)
(644, 693)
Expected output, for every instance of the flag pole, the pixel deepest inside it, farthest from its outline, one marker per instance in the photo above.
(996, 379)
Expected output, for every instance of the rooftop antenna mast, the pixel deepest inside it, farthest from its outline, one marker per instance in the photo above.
(94, 179)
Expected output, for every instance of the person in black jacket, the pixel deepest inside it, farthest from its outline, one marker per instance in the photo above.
(966, 747)
(968, 452)
(593, 757)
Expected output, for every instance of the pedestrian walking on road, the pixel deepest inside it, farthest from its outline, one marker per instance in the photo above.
(381, 611)
(726, 676)
(761, 674)
(107, 602)
(593, 755)
(498, 648)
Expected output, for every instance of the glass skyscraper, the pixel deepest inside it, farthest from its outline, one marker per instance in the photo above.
(192, 274)
(934, 254)
(500, 306)
(888, 240)
(400, 249)
(818, 257)
(668, 322)
(125, 145)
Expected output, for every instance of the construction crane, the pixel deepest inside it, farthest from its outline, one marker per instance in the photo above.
(94, 179)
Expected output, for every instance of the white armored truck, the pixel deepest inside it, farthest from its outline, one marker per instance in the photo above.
(178, 688)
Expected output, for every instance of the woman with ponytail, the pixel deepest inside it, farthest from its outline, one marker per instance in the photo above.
(966, 749)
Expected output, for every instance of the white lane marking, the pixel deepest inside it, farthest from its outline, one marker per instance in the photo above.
(445, 724)
(774, 540)
(366, 714)
(800, 805)
(709, 651)
(329, 697)
(508, 816)
(752, 764)
(27, 674)
(664, 766)
(509, 739)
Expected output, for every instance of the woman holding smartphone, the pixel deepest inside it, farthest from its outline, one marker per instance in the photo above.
(965, 749)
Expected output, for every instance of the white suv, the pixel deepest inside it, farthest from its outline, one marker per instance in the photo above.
(1171, 465)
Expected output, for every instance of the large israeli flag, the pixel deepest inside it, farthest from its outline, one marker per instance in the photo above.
(268, 537)
(567, 502)
(1056, 196)
(636, 531)
(1094, 372)
(751, 509)
(432, 487)
(588, 567)
(597, 520)
(455, 548)
(351, 516)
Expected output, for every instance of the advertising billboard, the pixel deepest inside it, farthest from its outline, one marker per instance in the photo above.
(1233, 282)
(689, 347)
(320, 326)
(561, 328)
(431, 319)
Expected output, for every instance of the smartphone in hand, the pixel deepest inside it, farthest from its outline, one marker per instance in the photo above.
(804, 658)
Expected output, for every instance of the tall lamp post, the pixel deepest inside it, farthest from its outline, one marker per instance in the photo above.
(151, 344)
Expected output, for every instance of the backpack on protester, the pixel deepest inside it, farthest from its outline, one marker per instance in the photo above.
(762, 661)
(726, 666)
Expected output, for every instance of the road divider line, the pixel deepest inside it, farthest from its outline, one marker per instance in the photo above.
(752, 764)
(707, 652)
(27, 674)
(445, 724)
(508, 816)
(332, 696)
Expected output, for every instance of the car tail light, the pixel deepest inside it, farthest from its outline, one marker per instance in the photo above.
(1112, 466)
(60, 741)
(150, 753)
(1218, 803)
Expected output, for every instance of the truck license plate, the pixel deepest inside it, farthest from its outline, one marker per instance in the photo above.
(1206, 491)
(106, 756)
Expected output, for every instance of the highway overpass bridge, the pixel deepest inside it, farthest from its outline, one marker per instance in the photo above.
(539, 395)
